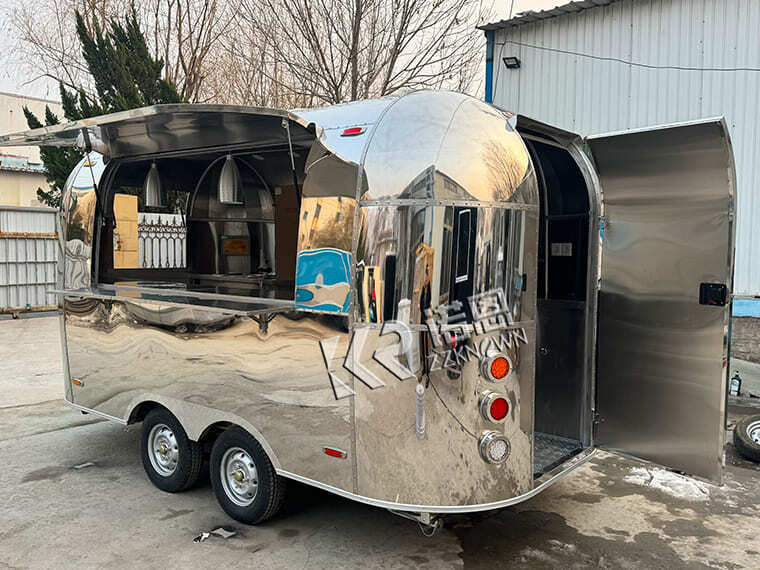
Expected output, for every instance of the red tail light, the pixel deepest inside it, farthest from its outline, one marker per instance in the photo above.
(499, 409)
(494, 407)
(352, 132)
(334, 452)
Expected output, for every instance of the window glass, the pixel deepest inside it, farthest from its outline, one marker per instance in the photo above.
(462, 253)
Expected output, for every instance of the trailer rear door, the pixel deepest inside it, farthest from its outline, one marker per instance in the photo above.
(665, 298)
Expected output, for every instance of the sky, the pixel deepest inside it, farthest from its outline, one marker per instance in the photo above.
(14, 79)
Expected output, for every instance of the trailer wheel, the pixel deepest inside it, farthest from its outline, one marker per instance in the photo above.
(171, 460)
(747, 437)
(244, 480)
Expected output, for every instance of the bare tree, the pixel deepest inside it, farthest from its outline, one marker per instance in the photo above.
(47, 34)
(274, 53)
(343, 50)
(186, 34)
(244, 74)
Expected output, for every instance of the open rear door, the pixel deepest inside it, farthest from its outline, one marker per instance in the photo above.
(665, 299)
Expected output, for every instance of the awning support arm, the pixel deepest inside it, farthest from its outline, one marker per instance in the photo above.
(87, 148)
(286, 126)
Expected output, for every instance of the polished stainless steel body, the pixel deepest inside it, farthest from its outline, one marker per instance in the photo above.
(663, 356)
(433, 198)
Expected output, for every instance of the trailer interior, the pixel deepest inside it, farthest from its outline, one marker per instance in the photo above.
(562, 373)
(242, 246)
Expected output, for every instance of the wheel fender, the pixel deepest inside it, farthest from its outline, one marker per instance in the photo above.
(196, 419)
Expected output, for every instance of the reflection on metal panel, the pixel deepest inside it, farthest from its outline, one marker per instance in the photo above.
(662, 356)
(494, 164)
(411, 259)
(323, 264)
(328, 175)
(335, 119)
(443, 468)
(462, 149)
(208, 367)
(323, 278)
(78, 202)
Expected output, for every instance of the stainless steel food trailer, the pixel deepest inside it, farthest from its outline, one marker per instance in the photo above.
(422, 302)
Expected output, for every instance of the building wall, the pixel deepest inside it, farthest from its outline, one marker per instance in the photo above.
(27, 258)
(12, 120)
(20, 188)
(593, 96)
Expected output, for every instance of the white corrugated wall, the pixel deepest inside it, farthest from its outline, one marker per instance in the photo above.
(27, 258)
(591, 96)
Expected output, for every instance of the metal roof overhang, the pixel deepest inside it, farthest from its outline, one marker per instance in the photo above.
(532, 16)
(173, 128)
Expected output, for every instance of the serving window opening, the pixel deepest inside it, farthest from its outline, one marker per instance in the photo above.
(213, 222)
(562, 383)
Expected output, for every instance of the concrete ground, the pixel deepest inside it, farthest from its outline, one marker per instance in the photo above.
(73, 494)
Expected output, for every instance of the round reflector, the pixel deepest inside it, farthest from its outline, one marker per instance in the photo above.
(498, 450)
(493, 447)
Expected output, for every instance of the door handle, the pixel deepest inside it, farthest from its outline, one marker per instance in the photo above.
(715, 294)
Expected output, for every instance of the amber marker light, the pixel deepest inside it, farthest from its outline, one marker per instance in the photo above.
(497, 367)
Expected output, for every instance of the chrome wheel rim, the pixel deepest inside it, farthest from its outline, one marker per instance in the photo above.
(163, 450)
(753, 431)
(240, 479)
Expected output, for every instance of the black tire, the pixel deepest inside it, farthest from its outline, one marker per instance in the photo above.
(743, 443)
(189, 454)
(270, 490)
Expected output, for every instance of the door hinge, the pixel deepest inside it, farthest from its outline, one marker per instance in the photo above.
(596, 419)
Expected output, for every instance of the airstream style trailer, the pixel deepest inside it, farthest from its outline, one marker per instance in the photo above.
(422, 302)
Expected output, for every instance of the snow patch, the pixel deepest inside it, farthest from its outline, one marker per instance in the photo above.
(562, 547)
(668, 482)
